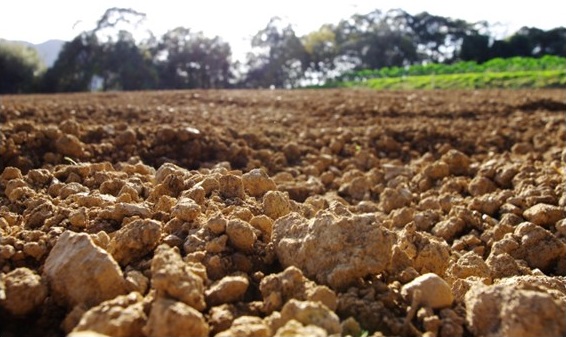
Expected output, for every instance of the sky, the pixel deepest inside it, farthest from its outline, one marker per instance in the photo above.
(235, 21)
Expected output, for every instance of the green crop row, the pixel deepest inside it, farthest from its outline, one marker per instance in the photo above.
(497, 65)
(509, 79)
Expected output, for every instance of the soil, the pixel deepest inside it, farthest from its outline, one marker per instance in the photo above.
(271, 213)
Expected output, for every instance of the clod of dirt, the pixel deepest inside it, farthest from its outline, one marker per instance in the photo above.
(22, 291)
(172, 318)
(310, 313)
(537, 246)
(122, 316)
(514, 309)
(241, 235)
(257, 183)
(276, 204)
(186, 209)
(335, 250)
(134, 240)
(432, 290)
(295, 328)
(544, 215)
(227, 290)
(247, 326)
(172, 277)
(79, 272)
(278, 289)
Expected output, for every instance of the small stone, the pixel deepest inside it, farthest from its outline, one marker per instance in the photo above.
(135, 240)
(79, 272)
(294, 328)
(252, 326)
(311, 313)
(437, 170)
(186, 209)
(544, 215)
(175, 319)
(24, 291)
(122, 316)
(481, 185)
(391, 199)
(231, 186)
(172, 277)
(257, 183)
(513, 309)
(70, 145)
(434, 291)
(241, 235)
(458, 162)
(227, 290)
(276, 204)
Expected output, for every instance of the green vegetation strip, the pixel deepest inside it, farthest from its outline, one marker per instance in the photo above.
(512, 64)
(508, 80)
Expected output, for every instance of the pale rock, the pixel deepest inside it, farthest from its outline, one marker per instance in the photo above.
(538, 246)
(434, 291)
(122, 316)
(249, 326)
(278, 289)
(227, 290)
(294, 328)
(186, 209)
(86, 334)
(514, 309)
(24, 291)
(257, 183)
(135, 240)
(469, 264)
(70, 145)
(79, 272)
(481, 185)
(544, 215)
(391, 199)
(231, 186)
(136, 281)
(458, 163)
(437, 170)
(172, 277)
(175, 319)
(334, 250)
(311, 313)
(276, 204)
(241, 235)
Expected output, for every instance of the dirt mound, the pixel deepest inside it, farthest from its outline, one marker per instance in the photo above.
(271, 213)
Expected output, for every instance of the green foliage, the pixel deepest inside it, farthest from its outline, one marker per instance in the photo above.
(495, 65)
(20, 66)
(506, 80)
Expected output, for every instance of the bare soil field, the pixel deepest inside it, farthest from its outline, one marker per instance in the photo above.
(283, 213)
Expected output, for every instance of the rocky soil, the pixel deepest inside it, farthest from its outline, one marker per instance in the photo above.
(283, 213)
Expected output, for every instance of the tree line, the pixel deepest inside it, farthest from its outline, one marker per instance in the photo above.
(183, 59)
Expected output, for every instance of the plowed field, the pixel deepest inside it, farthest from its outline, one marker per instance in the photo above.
(273, 213)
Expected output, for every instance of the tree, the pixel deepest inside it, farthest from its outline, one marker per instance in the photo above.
(125, 66)
(20, 66)
(321, 50)
(279, 58)
(76, 65)
(120, 65)
(187, 60)
(377, 40)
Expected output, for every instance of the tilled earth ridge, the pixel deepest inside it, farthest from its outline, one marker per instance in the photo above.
(277, 213)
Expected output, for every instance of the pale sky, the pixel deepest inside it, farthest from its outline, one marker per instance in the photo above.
(236, 21)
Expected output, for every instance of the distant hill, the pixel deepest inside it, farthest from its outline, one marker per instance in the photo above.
(48, 51)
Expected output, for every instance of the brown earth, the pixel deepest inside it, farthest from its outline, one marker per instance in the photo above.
(273, 213)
